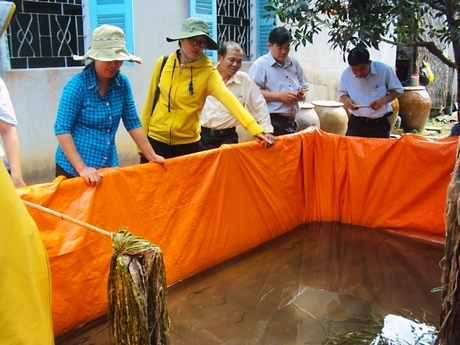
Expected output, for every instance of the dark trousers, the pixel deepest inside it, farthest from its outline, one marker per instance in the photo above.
(369, 128)
(283, 124)
(60, 171)
(7, 166)
(213, 138)
(170, 151)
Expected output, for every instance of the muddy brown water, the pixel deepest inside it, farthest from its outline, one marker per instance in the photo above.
(321, 283)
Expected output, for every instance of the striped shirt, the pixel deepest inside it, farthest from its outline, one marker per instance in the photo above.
(93, 120)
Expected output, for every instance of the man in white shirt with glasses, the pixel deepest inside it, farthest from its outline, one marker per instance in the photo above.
(217, 125)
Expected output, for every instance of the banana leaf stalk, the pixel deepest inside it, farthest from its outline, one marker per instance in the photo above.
(137, 290)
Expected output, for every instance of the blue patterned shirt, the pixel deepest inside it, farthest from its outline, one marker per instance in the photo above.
(93, 120)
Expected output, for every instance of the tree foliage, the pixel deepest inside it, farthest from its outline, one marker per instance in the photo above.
(370, 22)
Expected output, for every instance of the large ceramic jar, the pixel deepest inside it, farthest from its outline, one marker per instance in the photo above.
(332, 116)
(414, 108)
(307, 116)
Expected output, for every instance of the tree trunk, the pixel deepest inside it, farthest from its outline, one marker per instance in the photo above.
(456, 47)
(457, 57)
(449, 331)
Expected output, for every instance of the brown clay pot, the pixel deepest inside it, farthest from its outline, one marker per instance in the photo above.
(414, 108)
(333, 117)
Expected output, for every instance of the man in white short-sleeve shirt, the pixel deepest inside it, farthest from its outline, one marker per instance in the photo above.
(9, 136)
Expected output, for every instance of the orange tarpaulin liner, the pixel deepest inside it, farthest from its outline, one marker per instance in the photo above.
(210, 206)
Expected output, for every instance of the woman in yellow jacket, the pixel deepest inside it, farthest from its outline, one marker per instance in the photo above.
(187, 78)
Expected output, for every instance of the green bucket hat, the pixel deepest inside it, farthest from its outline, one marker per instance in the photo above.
(193, 27)
(108, 44)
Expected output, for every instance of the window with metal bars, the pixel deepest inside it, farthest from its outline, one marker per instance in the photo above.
(234, 23)
(46, 33)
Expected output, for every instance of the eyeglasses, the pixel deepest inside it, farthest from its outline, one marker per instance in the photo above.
(198, 43)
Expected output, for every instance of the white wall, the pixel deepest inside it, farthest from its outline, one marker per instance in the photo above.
(35, 95)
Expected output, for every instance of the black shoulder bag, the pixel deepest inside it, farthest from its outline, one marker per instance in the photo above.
(157, 93)
(155, 100)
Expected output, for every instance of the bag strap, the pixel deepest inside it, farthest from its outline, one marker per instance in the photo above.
(157, 93)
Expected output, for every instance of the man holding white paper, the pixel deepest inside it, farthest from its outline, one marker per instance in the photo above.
(367, 89)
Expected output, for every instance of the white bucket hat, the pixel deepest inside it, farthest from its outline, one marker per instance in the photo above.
(108, 44)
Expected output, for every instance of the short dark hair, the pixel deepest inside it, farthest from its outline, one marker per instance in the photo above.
(229, 45)
(358, 56)
(279, 36)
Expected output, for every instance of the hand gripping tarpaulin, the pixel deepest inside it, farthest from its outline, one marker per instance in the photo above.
(210, 206)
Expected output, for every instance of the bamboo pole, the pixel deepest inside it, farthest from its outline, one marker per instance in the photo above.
(137, 289)
(67, 218)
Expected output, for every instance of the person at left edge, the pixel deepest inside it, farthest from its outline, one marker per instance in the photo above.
(91, 106)
(8, 120)
(9, 134)
(25, 283)
(188, 77)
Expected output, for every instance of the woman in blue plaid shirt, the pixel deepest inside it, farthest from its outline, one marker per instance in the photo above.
(91, 106)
